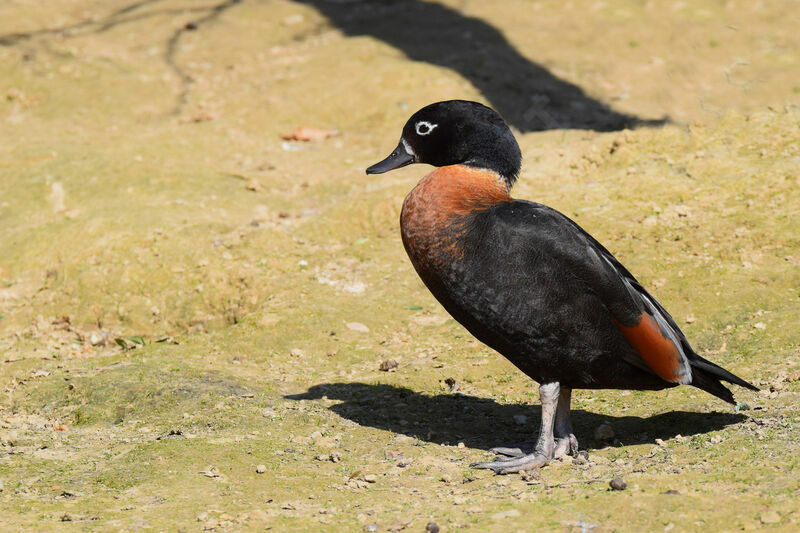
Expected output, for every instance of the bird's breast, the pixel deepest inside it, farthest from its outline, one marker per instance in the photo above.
(440, 210)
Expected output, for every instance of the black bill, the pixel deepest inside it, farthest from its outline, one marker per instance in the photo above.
(398, 158)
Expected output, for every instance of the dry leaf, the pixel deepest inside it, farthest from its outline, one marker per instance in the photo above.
(253, 185)
(58, 197)
(203, 116)
(357, 326)
(307, 133)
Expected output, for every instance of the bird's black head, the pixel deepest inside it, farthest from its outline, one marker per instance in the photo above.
(456, 132)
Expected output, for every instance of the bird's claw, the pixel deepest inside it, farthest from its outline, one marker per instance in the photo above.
(516, 464)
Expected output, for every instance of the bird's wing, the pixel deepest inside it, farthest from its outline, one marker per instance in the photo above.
(647, 326)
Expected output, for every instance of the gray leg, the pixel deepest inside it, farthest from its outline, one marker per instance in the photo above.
(545, 446)
(566, 443)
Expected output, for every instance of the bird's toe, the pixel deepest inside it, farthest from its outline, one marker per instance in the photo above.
(519, 464)
(513, 450)
(567, 445)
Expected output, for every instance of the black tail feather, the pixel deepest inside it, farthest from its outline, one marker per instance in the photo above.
(718, 372)
(706, 376)
(710, 384)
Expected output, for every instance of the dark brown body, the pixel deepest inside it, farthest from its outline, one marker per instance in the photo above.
(529, 283)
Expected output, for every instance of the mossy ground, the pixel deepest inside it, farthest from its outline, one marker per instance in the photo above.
(145, 191)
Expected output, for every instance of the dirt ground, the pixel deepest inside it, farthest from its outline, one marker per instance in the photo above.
(256, 284)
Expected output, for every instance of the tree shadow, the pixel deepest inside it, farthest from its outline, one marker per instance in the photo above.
(484, 423)
(527, 95)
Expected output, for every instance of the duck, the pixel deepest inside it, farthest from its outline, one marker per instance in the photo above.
(529, 282)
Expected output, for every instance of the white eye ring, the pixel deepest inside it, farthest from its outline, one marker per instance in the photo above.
(424, 127)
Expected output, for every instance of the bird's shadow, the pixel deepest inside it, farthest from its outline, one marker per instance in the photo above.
(483, 423)
(526, 94)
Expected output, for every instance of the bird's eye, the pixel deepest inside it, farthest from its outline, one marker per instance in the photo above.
(424, 127)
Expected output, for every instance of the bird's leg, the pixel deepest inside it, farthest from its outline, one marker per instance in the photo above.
(566, 443)
(545, 446)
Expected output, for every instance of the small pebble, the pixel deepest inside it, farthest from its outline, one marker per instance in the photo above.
(449, 384)
(581, 458)
(370, 478)
(336, 457)
(617, 484)
(389, 364)
(511, 513)
(432, 527)
(257, 515)
(371, 527)
(260, 469)
(291, 20)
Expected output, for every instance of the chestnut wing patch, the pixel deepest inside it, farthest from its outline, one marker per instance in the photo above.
(646, 326)
(660, 353)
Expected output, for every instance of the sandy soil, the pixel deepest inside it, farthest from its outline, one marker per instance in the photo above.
(257, 284)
